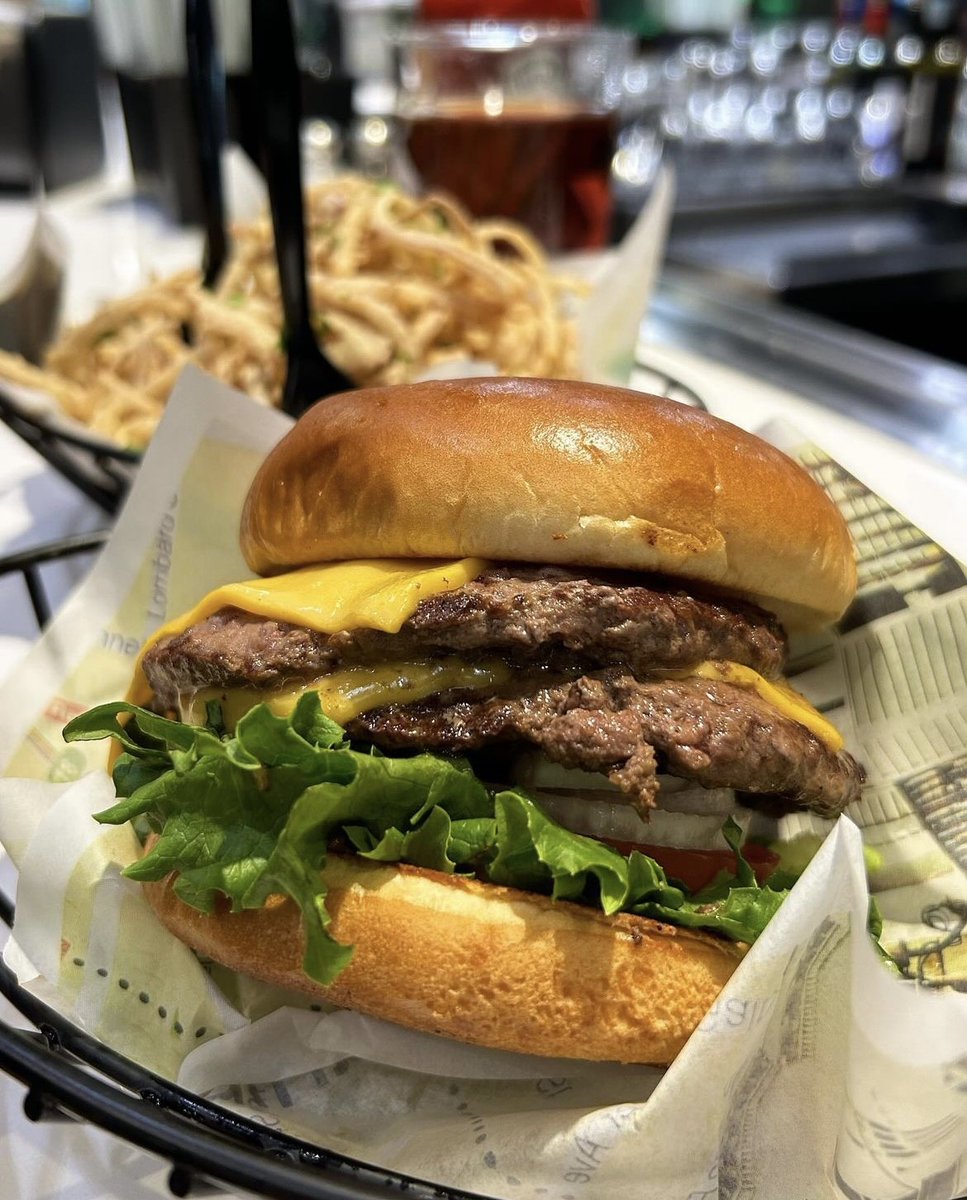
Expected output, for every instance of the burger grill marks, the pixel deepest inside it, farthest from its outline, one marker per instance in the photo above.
(582, 648)
(533, 615)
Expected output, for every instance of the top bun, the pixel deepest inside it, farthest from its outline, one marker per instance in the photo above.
(550, 471)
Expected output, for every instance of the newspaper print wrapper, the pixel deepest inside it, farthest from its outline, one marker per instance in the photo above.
(816, 1073)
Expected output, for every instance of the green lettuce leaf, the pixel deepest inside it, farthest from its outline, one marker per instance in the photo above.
(253, 814)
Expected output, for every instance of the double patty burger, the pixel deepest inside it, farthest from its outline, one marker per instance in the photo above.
(493, 613)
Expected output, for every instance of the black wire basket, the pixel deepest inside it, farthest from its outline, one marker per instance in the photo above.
(657, 381)
(103, 472)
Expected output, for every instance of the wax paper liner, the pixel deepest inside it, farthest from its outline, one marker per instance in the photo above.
(816, 1073)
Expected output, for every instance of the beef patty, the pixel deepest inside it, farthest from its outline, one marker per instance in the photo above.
(532, 615)
(585, 650)
(712, 732)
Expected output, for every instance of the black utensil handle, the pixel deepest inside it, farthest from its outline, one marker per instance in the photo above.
(278, 104)
(206, 83)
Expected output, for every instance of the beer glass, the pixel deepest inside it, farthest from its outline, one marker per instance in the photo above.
(516, 121)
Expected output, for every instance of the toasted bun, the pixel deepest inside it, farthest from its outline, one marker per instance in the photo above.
(550, 471)
(481, 963)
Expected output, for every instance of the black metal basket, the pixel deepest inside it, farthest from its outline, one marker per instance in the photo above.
(648, 378)
(101, 471)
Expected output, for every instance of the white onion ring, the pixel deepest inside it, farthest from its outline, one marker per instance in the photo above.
(688, 816)
(604, 818)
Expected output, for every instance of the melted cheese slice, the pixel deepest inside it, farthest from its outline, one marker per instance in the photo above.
(778, 694)
(371, 593)
(348, 693)
(345, 694)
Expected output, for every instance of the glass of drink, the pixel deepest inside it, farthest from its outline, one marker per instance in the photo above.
(516, 121)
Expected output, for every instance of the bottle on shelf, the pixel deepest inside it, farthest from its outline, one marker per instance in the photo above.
(934, 52)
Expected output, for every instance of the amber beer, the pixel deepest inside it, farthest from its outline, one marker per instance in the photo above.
(545, 165)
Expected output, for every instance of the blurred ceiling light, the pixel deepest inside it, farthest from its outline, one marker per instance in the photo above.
(674, 124)
(809, 100)
(493, 101)
(815, 37)
(698, 52)
(317, 135)
(908, 50)
(737, 97)
(783, 36)
(871, 52)
(637, 79)
(843, 50)
(759, 123)
(721, 63)
(375, 131)
(839, 103)
(775, 99)
(765, 59)
(811, 126)
(879, 167)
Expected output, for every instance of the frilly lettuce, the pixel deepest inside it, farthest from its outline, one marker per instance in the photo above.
(252, 814)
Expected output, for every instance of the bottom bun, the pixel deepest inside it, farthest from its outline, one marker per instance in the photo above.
(480, 963)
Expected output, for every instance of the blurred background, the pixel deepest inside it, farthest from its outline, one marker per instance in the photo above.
(820, 146)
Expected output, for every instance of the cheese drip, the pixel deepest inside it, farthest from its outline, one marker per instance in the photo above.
(777, 693)
(345, 694)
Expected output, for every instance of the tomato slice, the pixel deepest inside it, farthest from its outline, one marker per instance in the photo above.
(696, 869)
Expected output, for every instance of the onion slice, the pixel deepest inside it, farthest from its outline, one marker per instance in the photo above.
(585, 802)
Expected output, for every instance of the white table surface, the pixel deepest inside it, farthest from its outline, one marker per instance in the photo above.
(113, 244)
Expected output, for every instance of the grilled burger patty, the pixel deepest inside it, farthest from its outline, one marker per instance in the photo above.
(533, 615)
(712, 732)
(583, 648)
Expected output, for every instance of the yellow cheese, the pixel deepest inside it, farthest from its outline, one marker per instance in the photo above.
(368, 593)
(382, 594)
(371, 593)
(778, 693)
(348, 693)
(345, 694)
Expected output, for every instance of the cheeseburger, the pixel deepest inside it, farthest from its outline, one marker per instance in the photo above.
(467, 755)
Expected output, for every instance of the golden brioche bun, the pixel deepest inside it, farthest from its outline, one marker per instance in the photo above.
(550, 471)
(481, 963)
